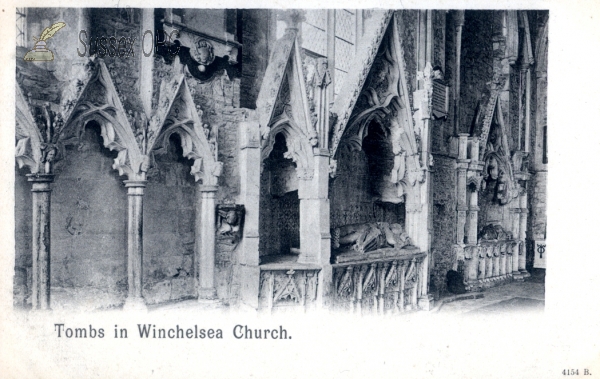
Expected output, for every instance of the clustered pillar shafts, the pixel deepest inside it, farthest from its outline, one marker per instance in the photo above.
(522, 234)
(205, 240)
(41, 240)
(135, 247)
(474, 170)
(423, 215)
(461, 207)
(516, 223)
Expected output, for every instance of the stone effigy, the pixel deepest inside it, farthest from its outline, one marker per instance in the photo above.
(367, 237)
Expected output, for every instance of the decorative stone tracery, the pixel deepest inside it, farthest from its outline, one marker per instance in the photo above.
(134, 136)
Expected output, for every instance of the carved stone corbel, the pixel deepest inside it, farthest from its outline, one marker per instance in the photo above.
(230, 224)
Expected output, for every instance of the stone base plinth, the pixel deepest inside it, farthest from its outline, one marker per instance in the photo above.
(135, 304)
(426, 302)
(207, 294)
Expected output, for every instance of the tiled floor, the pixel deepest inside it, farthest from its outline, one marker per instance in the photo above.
(513, 297)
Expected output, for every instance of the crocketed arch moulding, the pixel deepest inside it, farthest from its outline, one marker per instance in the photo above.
(386, 103)
(99, 101)
(299, 149)
(178, 110)
(28, 151)
(283, 106)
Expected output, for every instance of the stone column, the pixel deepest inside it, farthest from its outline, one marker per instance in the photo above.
(522, 234)
(516, 225)
(41, 240)
(461, 192)
(315, 237)
(135, 247)
(205, 240)
(250, 162)
(472, 218)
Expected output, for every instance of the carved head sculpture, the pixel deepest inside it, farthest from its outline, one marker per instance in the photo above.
(50, 153)
(204, 53)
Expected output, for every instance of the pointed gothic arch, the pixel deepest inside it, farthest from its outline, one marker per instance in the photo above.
(284, 106)
(99, 101)
(494, 152)
(387, 102)
(178, 115)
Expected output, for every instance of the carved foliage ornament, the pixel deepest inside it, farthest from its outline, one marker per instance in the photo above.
(353, 85)
(384, 98)
(99, 101)
(131, 133)
(284, 107)
(199, 142)
(40, 126)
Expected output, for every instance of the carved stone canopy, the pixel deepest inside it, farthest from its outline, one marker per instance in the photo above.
(131, 133)
(284, 106)
(497, 178)
(100, 102)
(383, 98)
(177, 114)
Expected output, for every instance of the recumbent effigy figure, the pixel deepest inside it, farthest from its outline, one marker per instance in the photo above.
(370, 236)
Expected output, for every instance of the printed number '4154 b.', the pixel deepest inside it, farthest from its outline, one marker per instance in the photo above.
(572, 371)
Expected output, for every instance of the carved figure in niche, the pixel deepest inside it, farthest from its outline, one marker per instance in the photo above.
(370, 236)
(204, 54)
(362, 237)
(230, 222)
(496, 181)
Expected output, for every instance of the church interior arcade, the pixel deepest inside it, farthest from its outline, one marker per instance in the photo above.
(365, 161)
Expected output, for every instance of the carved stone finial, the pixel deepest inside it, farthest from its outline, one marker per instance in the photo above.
(292, 17)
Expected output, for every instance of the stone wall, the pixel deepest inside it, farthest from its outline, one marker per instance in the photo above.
(125, 72)
(444, 219)
(255, 34)
(351, 194)
(477, 58)
(408, 26)
(169, 216)
(89, 227)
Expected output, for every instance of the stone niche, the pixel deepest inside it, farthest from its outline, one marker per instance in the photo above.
(362, 192)
(279, 224)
